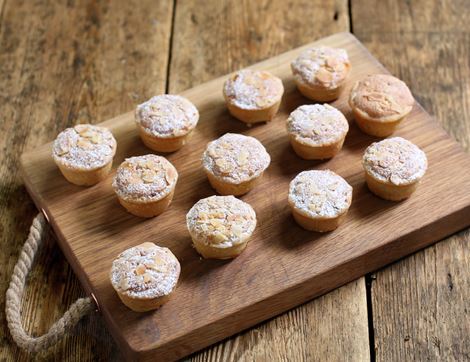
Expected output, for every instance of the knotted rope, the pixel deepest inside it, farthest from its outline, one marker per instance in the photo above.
(14, 295)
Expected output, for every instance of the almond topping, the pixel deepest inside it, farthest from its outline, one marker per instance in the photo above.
(219, 237)
(124, 285)
(96, 138)
(84, 143)
(140, 269)
(150, 165)
(324, 76)
(148, 176)
(80, 128)
(237, 230)
(147, 278)
(216, 223)
(63, 149)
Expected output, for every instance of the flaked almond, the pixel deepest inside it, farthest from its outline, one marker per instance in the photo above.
(63, 149)
(140, 269)
(142, 163)
(216, 223)
(237, 230)
(84, 143)
(148, 176)
(219, 237)
(324, 76)
(96, 138)
(80, 128)
(123, 284)
(170, 175)
(151, 165)
(87, 133)
(314, 207)
(332, 62)
(147, 278)
(224, 166)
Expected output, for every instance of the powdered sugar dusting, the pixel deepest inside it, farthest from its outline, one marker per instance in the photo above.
(320, 193)
(167, 116)
(395, 160)
(235, 158)
(145, 271)
(317, 124)
(145, 178)
(248, 89)
(382, 96)
(324, 66)
(221, 221)
(84, 147)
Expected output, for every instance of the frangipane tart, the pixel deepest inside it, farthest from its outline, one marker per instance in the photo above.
(393, 168)
(320, 72)
(166, 121)
(319, 199)
(220, 226)
(145, 276)
(253, 96)
(84, 153)
(379, 103)
(235, 163)
(145, 184)
(317, 131)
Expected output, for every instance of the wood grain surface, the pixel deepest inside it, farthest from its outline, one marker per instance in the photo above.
(37, 103)
(211, 39)
(421, 305)
(216, 299)
(62, 63)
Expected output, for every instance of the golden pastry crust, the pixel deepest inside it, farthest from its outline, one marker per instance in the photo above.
(165, 122)
(381, 98)
(317, 131)
(319, 199)
(253, 96)
(167, 116)
(84, 147)
(394, 168)
(235, 159)
(320, 72)
(253, 90)
(379, 103)
(144, 276)
(220, 226)
(145, 184)
(84, 153)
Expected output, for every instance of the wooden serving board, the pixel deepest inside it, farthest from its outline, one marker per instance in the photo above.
(283, 265)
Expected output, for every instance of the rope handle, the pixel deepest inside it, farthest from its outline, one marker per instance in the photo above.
(77, 310)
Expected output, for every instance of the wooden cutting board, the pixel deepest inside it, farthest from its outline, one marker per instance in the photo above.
(283, 265)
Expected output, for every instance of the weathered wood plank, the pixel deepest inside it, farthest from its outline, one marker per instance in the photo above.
(211, 39)
(62, 63)
(421, 307)
(332, 327)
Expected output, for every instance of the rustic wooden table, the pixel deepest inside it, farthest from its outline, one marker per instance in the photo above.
(64, 62)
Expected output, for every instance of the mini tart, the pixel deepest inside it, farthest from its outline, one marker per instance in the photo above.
(234, 163)
(145, 276)
(317, 131)
(220, 226)
(394, 168)
(319, 199)
(145, 185)
(84, 153)
(165, 122)
(379, 103)
(321, 72)
(253, 96)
